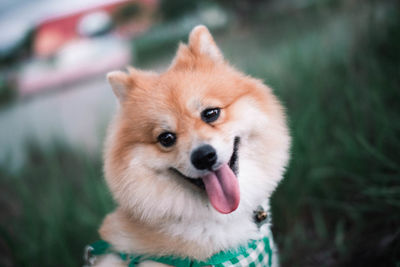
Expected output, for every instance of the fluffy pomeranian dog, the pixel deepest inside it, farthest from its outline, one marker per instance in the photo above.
(191, 156)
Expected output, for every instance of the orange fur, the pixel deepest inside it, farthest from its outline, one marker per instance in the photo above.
(150, 103)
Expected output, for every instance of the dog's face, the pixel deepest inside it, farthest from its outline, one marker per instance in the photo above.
(201, 133)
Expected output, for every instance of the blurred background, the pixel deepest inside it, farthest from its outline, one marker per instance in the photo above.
(335, 64)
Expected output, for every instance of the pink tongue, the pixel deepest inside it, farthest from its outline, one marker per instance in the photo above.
(222, 189)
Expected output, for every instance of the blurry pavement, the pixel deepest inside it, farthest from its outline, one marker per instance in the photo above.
(76, 116)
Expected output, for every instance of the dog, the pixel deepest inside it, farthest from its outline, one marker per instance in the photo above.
(191, 159)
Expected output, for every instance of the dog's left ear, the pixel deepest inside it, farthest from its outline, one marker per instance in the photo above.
(201, 43)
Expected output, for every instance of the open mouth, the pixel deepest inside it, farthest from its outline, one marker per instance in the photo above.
(233, 165)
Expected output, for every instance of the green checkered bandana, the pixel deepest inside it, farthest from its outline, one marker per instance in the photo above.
(256, 253)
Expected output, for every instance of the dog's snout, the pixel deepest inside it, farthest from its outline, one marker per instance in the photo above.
(204, 157)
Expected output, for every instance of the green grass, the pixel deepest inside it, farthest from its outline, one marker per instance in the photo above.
(53, 208)
(340, 202)
(338, 73)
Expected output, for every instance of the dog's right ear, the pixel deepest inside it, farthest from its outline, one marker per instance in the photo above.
(120, 82)
(123, 83)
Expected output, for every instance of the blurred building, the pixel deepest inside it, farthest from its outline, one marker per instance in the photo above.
(69, 37)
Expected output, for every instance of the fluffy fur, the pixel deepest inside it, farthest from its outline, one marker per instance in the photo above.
(159, 212)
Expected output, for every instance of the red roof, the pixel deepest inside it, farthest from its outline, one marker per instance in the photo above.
(54, 32)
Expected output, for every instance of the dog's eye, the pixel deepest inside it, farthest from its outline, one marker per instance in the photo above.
(210, 115)
(167, 139)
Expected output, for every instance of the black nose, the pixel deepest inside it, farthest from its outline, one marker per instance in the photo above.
(204, 157)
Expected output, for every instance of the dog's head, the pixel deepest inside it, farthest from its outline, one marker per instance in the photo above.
(199, 133)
